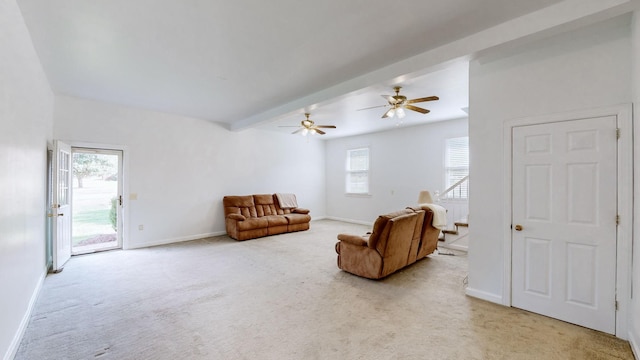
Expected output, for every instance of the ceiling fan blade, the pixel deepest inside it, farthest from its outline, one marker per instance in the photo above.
(390, 99)
(319, 131)
(428, 98)
(297, 131)
(326, 126)
(418, 109)
(389, 113)
(372, 107)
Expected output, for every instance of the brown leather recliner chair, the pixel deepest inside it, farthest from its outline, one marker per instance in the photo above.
(398, 239)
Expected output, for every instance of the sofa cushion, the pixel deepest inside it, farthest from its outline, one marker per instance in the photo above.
(253, 223)
(276, 220)
(297, 218)
(429, 236)
(238, 201)
(265, 205)
(381, 223)
(243, 205)
(417, 237)
(395, 247)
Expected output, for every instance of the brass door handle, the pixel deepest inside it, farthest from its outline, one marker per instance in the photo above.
(518, 227)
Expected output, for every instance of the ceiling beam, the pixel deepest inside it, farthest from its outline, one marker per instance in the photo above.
(561, 17)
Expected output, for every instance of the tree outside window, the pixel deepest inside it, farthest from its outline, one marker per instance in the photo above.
(86, 165)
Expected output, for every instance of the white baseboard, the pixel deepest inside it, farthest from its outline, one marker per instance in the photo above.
(634, 341)
(174, 240)
(17, 338)
(359, 222)
(145, 244)
(484, 295)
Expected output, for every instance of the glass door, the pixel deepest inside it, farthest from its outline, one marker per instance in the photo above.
(97, 200)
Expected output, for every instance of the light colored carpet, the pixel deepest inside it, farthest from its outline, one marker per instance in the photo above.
(283, 297)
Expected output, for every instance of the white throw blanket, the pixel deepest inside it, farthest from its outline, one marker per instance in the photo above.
(287, 201)
(439, 215)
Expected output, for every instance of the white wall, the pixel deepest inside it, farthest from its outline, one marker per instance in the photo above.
(634, 323)
(402, 162)
(26, 115)
(579, 70)
(180, 167)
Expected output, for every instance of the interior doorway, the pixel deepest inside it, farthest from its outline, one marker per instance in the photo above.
(96, 200)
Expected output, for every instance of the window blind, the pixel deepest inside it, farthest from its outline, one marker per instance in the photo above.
(457, 165)
(357, 181)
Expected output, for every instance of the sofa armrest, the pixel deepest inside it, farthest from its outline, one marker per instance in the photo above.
(300, 211)
(360, 260)
(352, 239)
(236, 217)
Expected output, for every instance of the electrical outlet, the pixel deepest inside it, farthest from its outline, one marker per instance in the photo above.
(140, 227)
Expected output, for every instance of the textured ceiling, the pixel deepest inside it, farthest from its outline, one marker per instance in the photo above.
(225, 61)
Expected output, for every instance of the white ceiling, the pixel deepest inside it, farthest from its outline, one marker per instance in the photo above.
(226, 61)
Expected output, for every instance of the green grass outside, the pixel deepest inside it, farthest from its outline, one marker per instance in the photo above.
(90, 223)
(97, 217)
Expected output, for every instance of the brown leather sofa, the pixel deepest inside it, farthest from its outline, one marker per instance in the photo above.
(253, 216)
(398, 239)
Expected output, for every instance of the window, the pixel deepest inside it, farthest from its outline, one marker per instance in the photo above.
(457, 166)
(358, 171)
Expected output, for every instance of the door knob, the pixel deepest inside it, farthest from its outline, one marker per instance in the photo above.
(518, 227)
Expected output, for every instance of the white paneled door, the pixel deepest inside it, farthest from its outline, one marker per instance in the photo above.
(564, 220)
(61, 205)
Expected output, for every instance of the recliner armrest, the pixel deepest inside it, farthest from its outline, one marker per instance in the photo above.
(300, 211)
(352, 239)
(237, 217)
